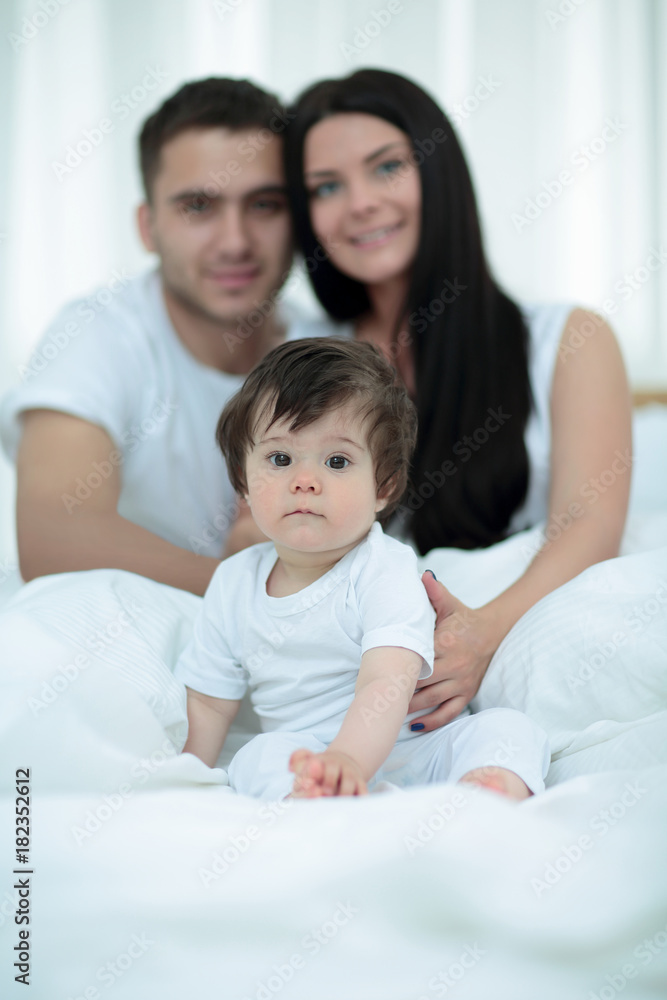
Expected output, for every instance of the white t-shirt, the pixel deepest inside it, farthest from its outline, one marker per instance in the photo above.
(124, 369)
(300, 655)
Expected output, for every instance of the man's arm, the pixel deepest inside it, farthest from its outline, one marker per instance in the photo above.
(244, 532)
(56, 537)
(209, 720)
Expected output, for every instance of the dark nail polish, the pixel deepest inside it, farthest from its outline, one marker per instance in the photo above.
(416, 726)
(432, 574)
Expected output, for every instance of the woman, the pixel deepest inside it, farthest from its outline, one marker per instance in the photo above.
(516, 423)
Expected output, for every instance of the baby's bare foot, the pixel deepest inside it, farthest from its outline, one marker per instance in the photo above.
(308, 780)
(499, 779)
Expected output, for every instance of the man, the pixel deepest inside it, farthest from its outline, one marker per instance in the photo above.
(114, 436)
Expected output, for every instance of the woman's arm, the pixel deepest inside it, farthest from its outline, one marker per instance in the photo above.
(591, 456)
(387, 678)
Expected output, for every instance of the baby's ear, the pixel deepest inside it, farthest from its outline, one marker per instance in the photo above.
(384, 496)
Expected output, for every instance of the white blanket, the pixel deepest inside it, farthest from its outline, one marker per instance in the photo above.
(152, 879)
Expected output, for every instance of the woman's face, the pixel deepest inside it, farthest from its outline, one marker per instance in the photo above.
(365, 195)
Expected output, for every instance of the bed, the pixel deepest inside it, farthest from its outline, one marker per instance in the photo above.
(146, 876)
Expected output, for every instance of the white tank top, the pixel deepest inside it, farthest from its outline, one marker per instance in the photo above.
(545, 326)
(545, 323)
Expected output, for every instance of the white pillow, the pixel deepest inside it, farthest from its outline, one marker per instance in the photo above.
(121, 628)
(589, 664)
(102, 621)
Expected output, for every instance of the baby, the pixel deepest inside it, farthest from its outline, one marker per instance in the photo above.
(329, 624)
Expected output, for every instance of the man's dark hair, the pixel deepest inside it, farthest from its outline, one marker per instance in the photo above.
(217, 102)
(302, 381)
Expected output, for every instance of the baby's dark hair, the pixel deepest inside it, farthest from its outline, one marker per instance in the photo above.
(303, 380)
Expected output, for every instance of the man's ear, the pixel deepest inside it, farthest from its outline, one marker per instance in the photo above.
(145, 226)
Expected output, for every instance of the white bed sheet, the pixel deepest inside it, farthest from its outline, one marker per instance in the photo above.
(152, 879)
(333, 900)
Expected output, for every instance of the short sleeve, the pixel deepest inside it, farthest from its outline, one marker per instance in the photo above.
(208, 664)
(86, 366)
(395, 609)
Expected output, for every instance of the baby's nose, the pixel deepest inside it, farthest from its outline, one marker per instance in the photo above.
(306, 478)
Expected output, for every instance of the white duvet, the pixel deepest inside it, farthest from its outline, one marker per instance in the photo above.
(151, 879)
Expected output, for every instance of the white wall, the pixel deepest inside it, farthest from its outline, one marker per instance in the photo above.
(532, 83)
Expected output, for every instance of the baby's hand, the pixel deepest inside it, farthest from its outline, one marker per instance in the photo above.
(326, 773)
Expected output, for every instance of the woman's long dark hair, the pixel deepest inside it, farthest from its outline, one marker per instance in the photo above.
(469, 340)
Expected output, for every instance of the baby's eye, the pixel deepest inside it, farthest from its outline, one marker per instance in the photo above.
(337, 462)
(280, 460)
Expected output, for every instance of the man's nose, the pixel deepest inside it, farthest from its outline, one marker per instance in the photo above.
(231, 235)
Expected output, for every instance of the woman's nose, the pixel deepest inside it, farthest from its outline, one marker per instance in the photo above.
(363, 199)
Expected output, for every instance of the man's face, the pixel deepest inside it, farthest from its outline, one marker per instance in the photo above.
(219, 221)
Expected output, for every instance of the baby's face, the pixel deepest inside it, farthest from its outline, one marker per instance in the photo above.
(313, 490)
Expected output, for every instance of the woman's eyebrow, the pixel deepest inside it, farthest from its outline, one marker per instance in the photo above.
(384, 149)
(367, 159)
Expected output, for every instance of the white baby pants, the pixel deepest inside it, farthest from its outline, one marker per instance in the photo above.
(500, 737)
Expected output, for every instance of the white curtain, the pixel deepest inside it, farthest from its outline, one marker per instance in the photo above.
(560, 104)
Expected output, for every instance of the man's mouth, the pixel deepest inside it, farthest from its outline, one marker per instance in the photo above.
(233, 277)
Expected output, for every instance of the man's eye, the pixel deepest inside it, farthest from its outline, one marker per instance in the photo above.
(280, 460)
(197, 206)
(268, 205)
(337, 462)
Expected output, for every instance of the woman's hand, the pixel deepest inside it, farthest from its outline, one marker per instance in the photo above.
(465, 641)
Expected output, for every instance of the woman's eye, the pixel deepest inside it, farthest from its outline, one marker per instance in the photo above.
(324, 190)
(280, 460)
(337, 463)
(390, 166)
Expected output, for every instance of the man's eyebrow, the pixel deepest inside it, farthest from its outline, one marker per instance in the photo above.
(367, 159)
(212, 192)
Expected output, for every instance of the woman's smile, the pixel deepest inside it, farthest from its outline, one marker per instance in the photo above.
(376, 237)
(365, 196)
